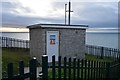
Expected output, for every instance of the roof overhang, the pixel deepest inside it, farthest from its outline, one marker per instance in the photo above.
(58, 26)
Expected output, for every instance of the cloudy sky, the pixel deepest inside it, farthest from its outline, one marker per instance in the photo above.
(95, 13)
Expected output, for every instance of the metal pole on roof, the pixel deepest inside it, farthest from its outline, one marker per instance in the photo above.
(65, 12)
(69, 13)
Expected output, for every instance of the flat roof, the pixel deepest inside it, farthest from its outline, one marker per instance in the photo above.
(58, 26)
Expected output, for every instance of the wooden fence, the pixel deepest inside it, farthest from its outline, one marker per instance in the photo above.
(102, 51)
(74, 69)
(31, 75)
(67, 69)
(11, 42)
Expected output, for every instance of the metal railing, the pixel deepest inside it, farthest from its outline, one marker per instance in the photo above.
(11, 42)
(102, 51)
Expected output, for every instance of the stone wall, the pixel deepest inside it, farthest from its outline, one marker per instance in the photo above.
(37, 42)
(72, 42)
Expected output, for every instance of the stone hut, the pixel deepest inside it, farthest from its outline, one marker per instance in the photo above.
(57, 39)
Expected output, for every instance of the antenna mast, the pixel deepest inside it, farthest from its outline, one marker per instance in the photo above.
(69, 11)
(65, 12)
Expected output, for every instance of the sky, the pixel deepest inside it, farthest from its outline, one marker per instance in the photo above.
(94, 13)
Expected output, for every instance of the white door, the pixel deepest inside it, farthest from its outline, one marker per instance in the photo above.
(52, 44)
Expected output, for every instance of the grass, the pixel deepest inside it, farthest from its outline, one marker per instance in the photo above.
(87, 57)
(96, 58)
(14, 55)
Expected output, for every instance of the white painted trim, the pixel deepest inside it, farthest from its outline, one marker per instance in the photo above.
(75, 27)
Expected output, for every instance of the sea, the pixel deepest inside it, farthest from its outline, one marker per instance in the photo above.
(99, 39)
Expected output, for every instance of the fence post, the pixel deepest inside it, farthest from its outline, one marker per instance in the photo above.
(33, 69)
(102, 52)
(65, 62)
(21, 70)
(89, 69)
(69, 69)
(91, 74)
(78, 69)
(94, 71)
(74, 68)
(108, 71)
(82, 62)
(45, 67)
(59, 68)
(119, 56)
(10, 71)
(53, 67)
